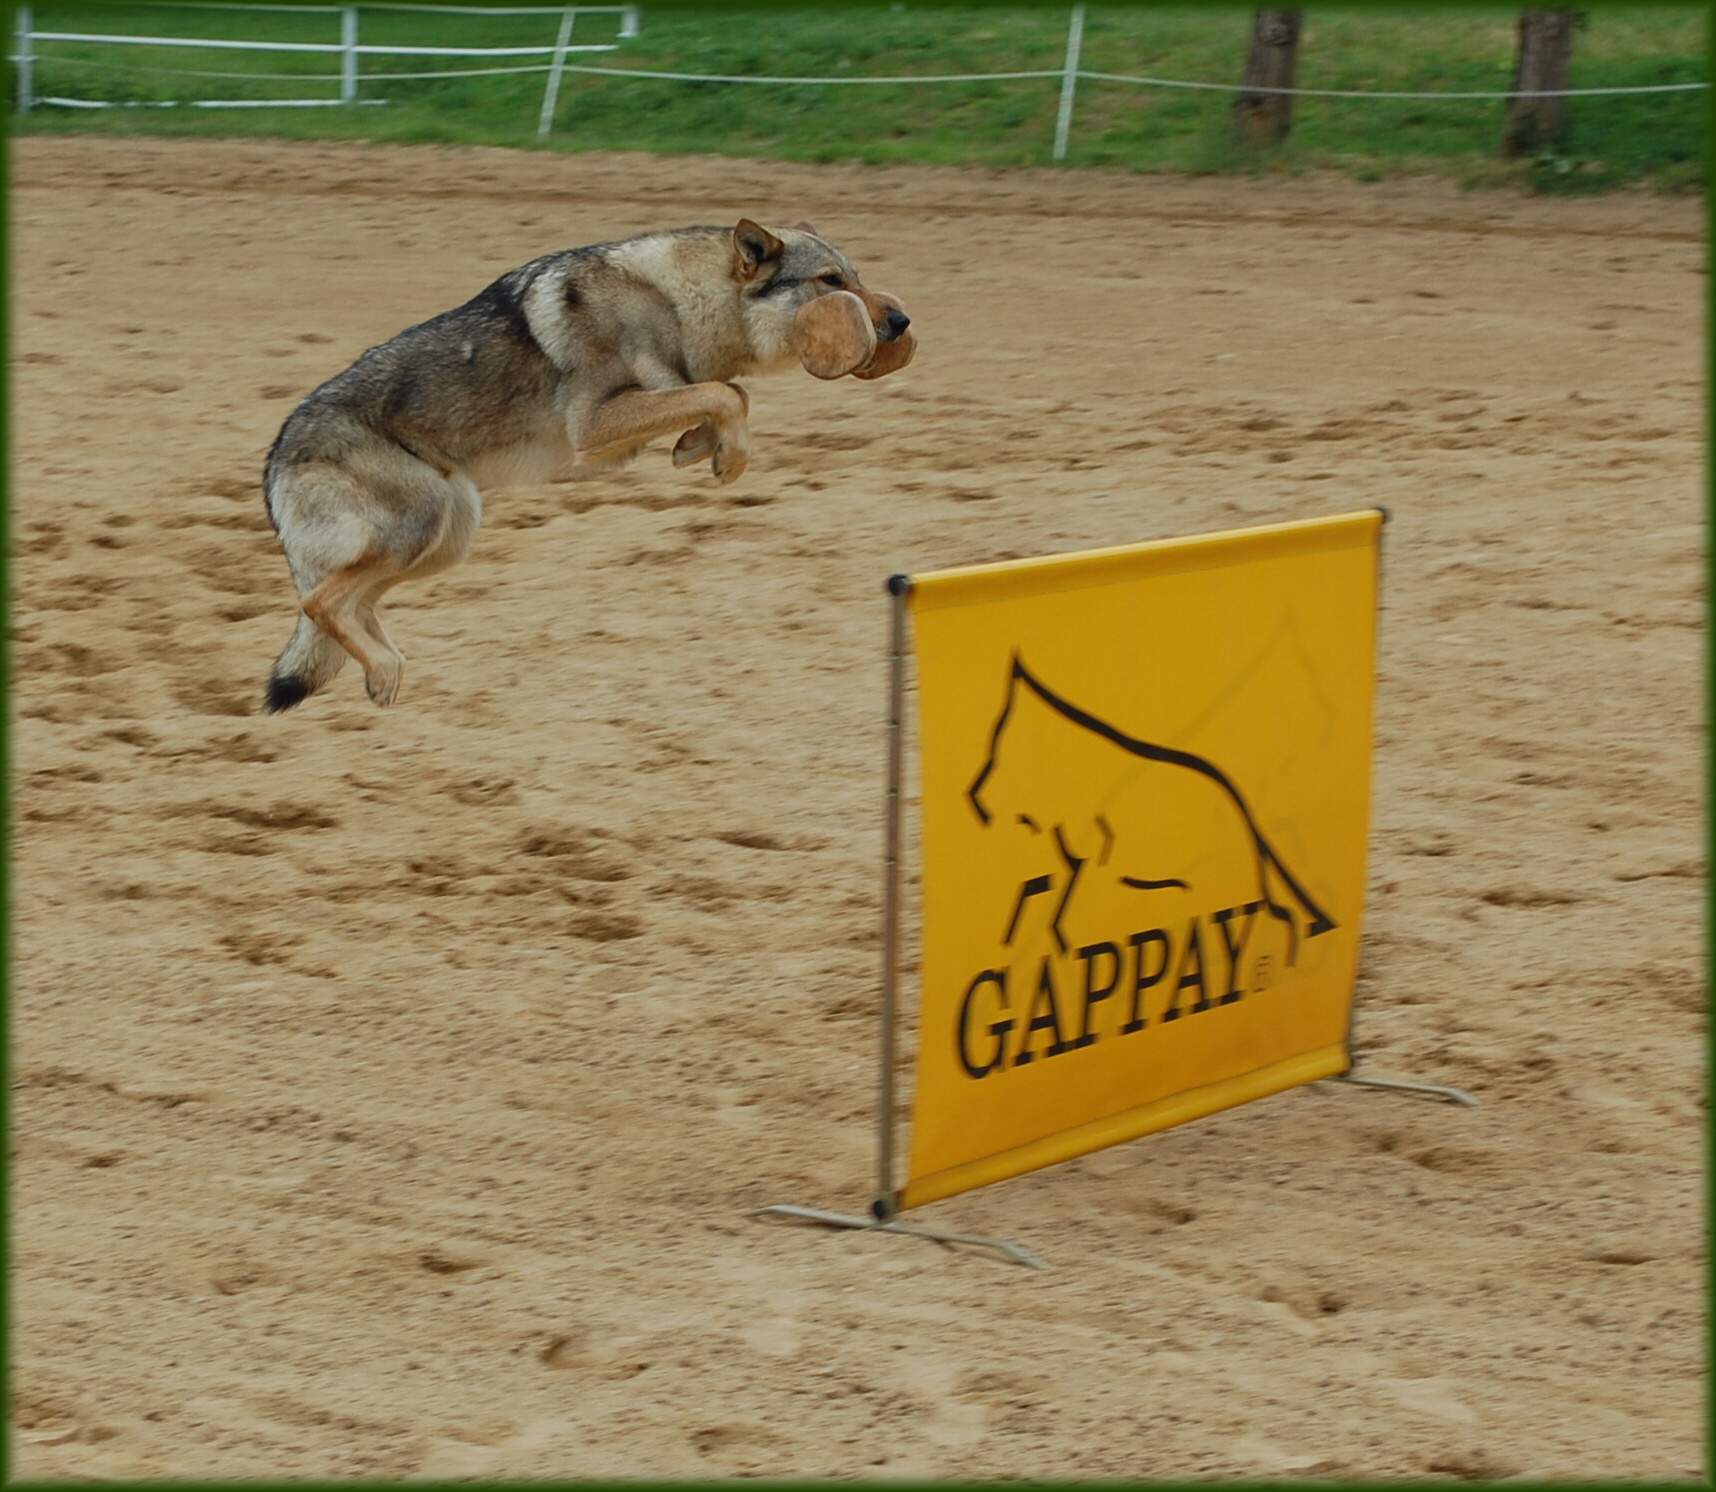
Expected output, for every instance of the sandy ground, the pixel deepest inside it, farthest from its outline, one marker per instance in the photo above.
(389, 1089)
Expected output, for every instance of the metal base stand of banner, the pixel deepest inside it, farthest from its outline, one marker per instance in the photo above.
(882, 1222)
(1017, 1252)
(1352, 1075)
(1406, 1085)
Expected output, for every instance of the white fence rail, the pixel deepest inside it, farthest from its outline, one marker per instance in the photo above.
(349, 49)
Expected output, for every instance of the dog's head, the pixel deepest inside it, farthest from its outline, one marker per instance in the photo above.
(782, 274)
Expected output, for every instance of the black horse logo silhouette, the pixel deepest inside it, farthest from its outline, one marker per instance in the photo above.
(1156, 818)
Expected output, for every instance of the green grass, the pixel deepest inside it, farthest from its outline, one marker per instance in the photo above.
(1656, 140)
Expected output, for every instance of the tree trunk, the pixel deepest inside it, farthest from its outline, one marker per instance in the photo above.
(1265, 118)
(1545, 61)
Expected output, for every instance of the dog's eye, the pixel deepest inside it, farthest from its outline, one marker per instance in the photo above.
(833, 281)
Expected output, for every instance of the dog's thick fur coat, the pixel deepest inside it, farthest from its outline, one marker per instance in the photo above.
(564, 367)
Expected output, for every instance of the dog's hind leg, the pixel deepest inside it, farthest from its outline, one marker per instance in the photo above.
(462, 512)
(350, 532)
(369, 619)
(371, 622)
(318, 513)
(337, 606)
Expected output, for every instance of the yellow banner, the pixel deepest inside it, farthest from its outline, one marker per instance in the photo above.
(1146, 799)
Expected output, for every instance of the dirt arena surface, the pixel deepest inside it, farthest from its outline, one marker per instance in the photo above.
(389, 1089)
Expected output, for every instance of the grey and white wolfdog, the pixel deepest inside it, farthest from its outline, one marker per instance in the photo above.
(564, 367)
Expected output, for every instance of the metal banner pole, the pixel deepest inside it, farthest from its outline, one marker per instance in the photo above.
(1351, 1075)
(1069, 81)
(551, 94)
(882, 1217)
(899, 586)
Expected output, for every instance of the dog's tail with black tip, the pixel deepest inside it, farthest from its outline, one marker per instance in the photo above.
(310, 660)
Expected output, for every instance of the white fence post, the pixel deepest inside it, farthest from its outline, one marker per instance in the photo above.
(349, 55)
(1069, 81)
(26, 61)
(551, 94)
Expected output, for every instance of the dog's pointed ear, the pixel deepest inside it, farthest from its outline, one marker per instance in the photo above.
(753, 247)
(807, 228)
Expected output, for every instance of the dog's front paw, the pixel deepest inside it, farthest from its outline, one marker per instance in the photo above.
(695, 445)
(732, 454)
